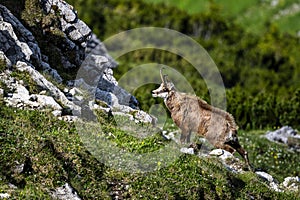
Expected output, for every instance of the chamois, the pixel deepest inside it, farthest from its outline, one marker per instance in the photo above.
(192, 114)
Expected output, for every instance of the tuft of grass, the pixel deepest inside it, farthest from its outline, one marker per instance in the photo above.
(2, 65)
(29, 83)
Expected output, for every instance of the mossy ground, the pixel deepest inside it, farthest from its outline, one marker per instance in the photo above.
(55, 154)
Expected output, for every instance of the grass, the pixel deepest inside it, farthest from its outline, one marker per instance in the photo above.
(269, 156)
(2, 65)
(57, 155)
(29, 83)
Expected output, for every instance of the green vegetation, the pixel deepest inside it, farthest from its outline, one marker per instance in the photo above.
(53, 154)
(2, 65)
(29, 83)
(253, 15)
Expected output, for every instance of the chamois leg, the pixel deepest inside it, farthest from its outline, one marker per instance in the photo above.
(228, 148)
(182, 138)
(188, 137)
(236, 145)
(244, 154)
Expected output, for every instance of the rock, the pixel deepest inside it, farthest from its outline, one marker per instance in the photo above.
(187, 150)
(273, 184)
(65, 192)
(19, 47)
(265, 176)
(11, 46)
(75, 29)
(5, 59)
(57, 113)
(47, 102)
(96, 47)
(231, 163)
(21, 93)
(4, 196)
(42, 82)
(294, 142)
(292, 183)
(286, 135)
(18, 44)
(17, 39)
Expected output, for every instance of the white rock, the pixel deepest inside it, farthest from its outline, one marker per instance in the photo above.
(292, 183)
(265, 176)
(4, 196)
(187, 150)
(21, 93)
(217, 152)
(44, 83)
(274, 186)
(57, 113)
(75, 91)
(47, 101)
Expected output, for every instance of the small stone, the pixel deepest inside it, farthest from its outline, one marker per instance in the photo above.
(4, 196)
(292, 183)
(187, 150)
(265, 176)
(57, 113)
(217, 152)
(69, 15)
(43, 92)
(75, 35)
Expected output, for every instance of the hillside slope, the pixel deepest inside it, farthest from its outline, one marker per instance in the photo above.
(45, 107)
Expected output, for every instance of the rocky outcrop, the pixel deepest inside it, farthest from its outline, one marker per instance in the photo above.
(17, 43)
(286, 135)
(77, 49)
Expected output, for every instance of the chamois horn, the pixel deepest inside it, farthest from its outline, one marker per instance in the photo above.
(163, 77)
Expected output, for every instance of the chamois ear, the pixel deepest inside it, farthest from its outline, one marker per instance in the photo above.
(170, 85)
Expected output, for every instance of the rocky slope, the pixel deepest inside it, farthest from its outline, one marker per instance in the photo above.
(48, 45)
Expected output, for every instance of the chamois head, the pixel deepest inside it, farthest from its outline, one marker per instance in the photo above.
(165, 87)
